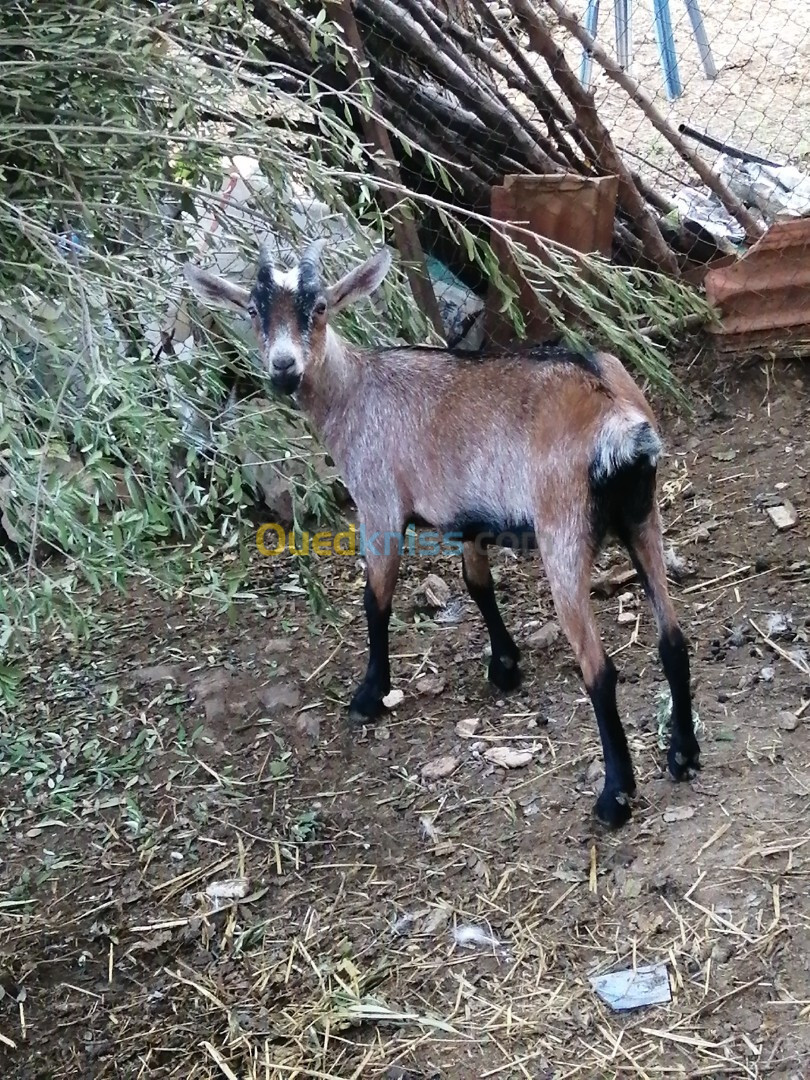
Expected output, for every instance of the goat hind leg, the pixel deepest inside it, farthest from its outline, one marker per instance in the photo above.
(646, 549)
(568, 561)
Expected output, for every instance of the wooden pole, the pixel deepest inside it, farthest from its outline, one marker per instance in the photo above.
(752, 229)
(405, 231)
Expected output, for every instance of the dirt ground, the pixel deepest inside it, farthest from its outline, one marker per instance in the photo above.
(203, 876)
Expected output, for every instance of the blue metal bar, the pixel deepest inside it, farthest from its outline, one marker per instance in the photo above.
(622, 14)
(591, 19)
(666, 49)
(702, 39)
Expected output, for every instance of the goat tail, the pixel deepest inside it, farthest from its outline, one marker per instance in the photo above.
(624, 440)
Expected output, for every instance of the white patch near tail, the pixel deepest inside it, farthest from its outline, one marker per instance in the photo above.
(624, 438)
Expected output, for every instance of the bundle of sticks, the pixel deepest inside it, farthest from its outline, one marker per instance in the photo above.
(486, 87)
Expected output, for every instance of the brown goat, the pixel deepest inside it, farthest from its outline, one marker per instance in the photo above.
(541, 444)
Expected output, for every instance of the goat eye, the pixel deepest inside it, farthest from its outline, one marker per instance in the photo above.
(320, 307)
(252, 311)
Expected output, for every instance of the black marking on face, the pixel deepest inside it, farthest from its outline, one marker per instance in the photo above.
(296, 307)
(306, 299)
(263, 297)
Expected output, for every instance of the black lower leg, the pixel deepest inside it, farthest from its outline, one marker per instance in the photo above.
(684, 751)
(504, 672)
(367, 701)
(613, 805)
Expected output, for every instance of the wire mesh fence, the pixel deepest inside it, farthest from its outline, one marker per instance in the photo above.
(742, 81)
(754, 96)
(495, 88)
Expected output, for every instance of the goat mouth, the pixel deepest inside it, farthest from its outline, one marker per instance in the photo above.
(287, 383)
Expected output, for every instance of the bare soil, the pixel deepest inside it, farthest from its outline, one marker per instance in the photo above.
(189, 760)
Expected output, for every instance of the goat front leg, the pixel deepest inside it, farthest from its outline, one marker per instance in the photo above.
(382, 569)
(504, 672)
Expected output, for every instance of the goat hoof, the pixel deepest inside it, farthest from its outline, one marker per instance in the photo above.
(504, 673)
(613, 809)
(683, 764)
(366, 706)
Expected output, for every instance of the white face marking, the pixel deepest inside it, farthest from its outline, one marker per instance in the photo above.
(281, 348)
(279, 344)
(286, 279)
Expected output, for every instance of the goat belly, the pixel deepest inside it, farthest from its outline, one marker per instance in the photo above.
(483, 530)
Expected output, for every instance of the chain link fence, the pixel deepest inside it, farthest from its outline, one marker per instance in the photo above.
(756, 96)
(746, 89)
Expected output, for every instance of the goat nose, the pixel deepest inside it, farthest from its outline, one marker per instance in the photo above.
(283, 363)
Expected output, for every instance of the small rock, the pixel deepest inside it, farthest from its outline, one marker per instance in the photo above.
(278, 645)
(508, 757)
(440, 767)
(545, 637)
(157, 673)
(466, 729)
(396, 697)
(626, 617)
(702, 534)
(788, 721)
(767, 674)
(783, 516)
(679, 813)
(430, 684)
(230, 889)
(432, 594)
(309, 725)
(277, 699)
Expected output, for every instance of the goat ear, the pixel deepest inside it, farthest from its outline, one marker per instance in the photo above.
(215, 290)
(360, 282)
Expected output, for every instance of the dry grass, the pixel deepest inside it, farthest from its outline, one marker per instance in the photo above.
(219, 884)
